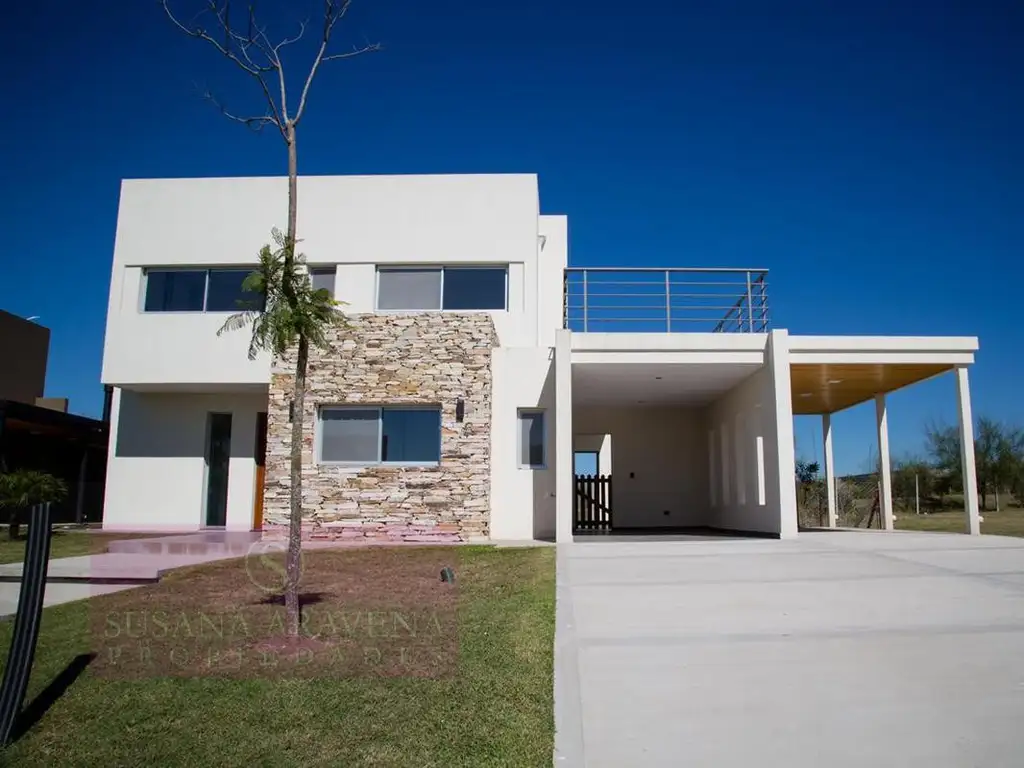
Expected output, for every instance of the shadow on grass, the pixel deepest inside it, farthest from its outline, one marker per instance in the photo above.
(306, 598)
(50, 695)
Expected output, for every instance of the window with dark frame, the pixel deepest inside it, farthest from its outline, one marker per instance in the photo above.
(380, 435)
(442, 288)
(175, 290)
(198, 290)
(322, 278)
(532, 452)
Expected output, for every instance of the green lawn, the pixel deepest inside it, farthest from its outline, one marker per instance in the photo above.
(1007, 522)
(485, 699)
(63, 543)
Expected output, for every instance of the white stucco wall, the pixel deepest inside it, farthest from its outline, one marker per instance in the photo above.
(552, 261)
(660, 462)
(156, 465)
(357, 222)
(522, 499)
(748, 462)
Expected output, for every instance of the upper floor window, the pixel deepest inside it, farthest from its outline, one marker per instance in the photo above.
(322, 278)
(450, 288)
(198, 290)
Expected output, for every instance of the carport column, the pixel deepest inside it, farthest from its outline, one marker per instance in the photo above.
(830, 471)
(963, 391)
(564, 491)
(785, 467)
(884, 470)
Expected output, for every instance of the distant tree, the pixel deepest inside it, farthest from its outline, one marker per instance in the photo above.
(998, 456)
(809, 497)
(294, 316)
(911, 477)
(806, 471)
(24, 488)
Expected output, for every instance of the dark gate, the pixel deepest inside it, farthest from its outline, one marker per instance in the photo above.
(593, 508)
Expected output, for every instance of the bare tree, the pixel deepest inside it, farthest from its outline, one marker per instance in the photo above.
(243, 41)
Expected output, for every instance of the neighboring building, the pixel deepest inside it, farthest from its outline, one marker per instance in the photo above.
(24, 348)
(36, 432)
(476, 370)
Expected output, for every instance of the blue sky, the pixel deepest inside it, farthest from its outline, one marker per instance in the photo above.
(868, 153)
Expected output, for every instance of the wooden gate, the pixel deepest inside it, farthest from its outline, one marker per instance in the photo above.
(593, 508)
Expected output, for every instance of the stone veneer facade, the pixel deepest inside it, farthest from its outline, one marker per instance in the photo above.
(428, 358)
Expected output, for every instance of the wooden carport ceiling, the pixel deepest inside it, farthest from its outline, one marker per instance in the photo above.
(831, 387)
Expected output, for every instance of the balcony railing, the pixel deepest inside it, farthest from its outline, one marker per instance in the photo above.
(607, 299)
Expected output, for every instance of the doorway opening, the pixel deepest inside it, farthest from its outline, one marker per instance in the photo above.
(218, 459)
(260, 457)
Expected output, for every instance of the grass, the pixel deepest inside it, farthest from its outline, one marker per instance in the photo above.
(63, 543)
(1006, 522)
(486, 701)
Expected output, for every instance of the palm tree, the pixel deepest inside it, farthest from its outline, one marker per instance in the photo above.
(24, 488)
(292, 316)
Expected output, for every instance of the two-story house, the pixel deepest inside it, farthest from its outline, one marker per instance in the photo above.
(477, 374)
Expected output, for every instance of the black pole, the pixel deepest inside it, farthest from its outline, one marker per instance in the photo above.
(26, 621)
(80, 491)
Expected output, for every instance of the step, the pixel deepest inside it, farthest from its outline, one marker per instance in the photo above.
(216, 543)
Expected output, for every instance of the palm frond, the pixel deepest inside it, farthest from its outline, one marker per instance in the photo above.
(291, 308)
(25, 487)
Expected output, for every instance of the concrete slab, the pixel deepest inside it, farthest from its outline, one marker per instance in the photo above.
(113, 566)
(840, 649)
(56, 594)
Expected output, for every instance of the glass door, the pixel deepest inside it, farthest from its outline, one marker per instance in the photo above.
(218, 457)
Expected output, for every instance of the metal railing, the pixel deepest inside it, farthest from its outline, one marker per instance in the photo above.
(721, 300)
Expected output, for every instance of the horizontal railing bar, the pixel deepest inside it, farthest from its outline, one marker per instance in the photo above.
(705, 270)
(659, 294)
(659, 306)
(661, 320)
(659, 283)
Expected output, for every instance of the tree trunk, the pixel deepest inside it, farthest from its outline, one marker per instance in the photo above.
(293, 563)
(293, 187)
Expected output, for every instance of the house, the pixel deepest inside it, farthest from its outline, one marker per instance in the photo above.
(37, 432)
(476, 371)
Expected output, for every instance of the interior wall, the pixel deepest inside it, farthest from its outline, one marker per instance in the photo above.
(660, 463)
(522, 498)
(741, 439)
(156, 473)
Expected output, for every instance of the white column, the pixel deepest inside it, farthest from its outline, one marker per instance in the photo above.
(884, 469)
(783, 473)
(830, 471)
(963, 391)
(564, 491)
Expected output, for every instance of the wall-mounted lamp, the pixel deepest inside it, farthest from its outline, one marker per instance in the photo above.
(460, 410)
(291, 411)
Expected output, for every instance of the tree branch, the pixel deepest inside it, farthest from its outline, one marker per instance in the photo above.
(368, 48)
(334, 11)
(255, 124)
(234, 39)
(240, 48)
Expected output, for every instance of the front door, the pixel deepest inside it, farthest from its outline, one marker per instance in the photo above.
(260, 454)
(218, 458)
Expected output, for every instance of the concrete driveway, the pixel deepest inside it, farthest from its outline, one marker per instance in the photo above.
(840, 649)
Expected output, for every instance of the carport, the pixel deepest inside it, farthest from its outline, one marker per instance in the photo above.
(678, 432)
(831, 373)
